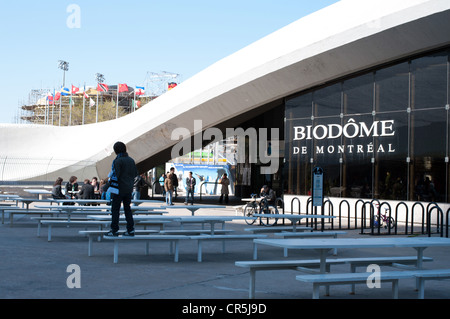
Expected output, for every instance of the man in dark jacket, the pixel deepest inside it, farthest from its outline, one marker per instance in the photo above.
(87, 190)
(124, 171)
(174, 182)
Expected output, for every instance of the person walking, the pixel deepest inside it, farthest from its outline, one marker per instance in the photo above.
(123, 172)
(225, 182)
(161, 183)
(168, 187)
(139, 183)
(174, 182)
(190, 187)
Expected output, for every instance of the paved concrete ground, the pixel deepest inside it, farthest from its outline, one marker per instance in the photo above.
(33, 268)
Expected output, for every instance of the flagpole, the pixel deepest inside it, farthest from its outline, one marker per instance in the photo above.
(53, 103)
(70, 106)
(45, 112)
(117, 106)
(60, 100)
(96, 108)
(84, 95)
(134, 102)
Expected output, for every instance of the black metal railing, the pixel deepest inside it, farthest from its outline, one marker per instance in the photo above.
(366, 216)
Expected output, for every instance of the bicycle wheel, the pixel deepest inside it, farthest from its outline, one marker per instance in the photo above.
(249, 210)
(269, 221)
(390, 222)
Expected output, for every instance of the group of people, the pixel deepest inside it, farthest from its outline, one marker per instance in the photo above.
(171, 184)
(123, 183)
(91, 189)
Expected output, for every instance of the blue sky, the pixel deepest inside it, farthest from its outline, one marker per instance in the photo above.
(126, 39)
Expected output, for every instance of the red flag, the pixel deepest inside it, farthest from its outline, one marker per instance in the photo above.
(123, 88)
(171, 85)
(57, 96)
(139, 90)
(75, 89)
(101, 87)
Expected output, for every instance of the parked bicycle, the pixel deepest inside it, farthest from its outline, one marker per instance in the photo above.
(259, 206)
(383, 219)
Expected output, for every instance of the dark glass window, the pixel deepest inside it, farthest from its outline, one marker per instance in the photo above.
(383, 134)
(357, 159)
(299, 107)
(358, 95)
(327, 101)
(392, 88)
(429, 82)
(428, 151)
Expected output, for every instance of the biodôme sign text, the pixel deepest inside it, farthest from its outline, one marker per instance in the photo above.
(350, 130)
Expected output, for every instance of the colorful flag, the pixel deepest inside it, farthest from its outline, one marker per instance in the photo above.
(136, 104)
(65, 91)
(171, 85)
(123, 88)
(140, 90)
(50, 98)
(85, 95)
(57, 96)
(101, 87)
(75, 89)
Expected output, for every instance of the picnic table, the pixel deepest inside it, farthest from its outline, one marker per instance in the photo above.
(106, 210)
(38, 192)
(212, 220)
(324, 245)
(28, 201)
(81, 201)
(143, 201)
(8, 197)
(192, 208)
(293, 218)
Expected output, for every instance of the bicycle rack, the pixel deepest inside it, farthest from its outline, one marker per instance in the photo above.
(363, 216)
(363, 206)
(292, 205)
(412, 217)
(406, 219)
(348, 213)
(446, 231)
(330, 213)
(441, 214)
(356, 215)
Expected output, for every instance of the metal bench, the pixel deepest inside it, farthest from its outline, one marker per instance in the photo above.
(222, 238)
(26, 211)
(91, 234)
(354, 278)
(433, 274)
(145, 223)
(86, 223)
(171, 238)
(332, 234)
(276, 229)
(315, 263)
(194, 232)
(39, 219)
(361, 278)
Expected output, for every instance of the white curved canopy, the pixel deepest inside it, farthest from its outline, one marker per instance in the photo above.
(342, 39)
